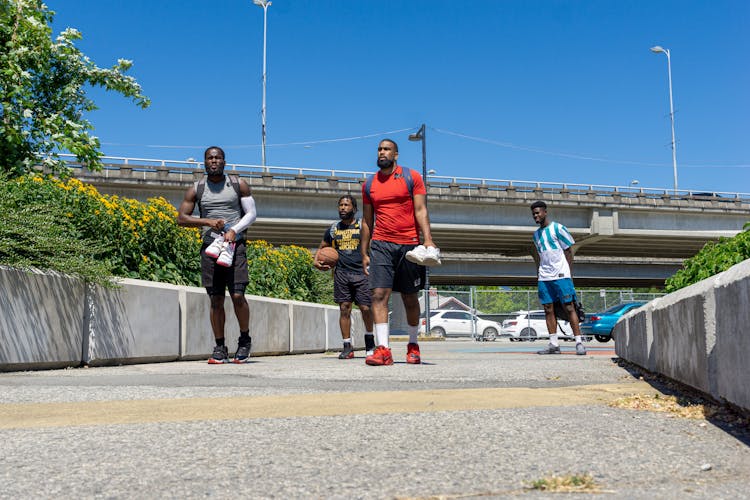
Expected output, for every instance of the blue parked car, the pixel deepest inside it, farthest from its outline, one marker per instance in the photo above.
(600, 324)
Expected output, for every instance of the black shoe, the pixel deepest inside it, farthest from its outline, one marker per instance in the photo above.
(220, 356)
(347, 352)
(243, 352)
(370, 342)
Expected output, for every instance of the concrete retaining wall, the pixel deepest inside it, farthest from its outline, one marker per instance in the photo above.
(698, 336)
(41, 320)
(49, 320)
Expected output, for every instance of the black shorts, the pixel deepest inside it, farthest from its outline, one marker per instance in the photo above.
(390, 269)
(217, 279)
(351, 287)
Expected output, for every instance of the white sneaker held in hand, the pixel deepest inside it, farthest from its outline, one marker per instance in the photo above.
(424, 256)
(417, 254)
(227, 254)
(432, 256)
(214, 249)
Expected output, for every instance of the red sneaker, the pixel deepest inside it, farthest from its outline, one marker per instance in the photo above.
(381, 357)
(412, 354)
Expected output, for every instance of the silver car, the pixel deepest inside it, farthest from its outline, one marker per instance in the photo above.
(454, 323)
(532, 325)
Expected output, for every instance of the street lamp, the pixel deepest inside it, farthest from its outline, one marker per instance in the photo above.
(656, 50)
(420, 135)
(265, 4)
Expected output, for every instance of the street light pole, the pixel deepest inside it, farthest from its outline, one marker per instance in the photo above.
(265, 4)
(421, 135)
(656, 50)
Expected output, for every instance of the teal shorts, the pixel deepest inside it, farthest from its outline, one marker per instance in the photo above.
(561, 290)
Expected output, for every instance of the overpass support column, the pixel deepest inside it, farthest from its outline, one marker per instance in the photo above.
(603, 225)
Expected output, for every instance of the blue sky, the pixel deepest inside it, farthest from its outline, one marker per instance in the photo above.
(557, 91)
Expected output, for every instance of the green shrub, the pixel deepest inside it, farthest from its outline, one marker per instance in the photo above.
(36, 233)
(714, 258)
(68, 226)
(286, 272)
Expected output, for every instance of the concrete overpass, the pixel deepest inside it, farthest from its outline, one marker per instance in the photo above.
(626, 236)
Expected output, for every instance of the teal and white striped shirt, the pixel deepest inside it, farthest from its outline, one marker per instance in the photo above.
(551, 242)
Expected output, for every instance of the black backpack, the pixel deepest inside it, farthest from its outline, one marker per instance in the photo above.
(405, 173)
(201, 187)
(562, 314)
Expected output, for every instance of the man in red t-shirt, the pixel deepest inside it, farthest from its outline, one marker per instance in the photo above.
(390, 228)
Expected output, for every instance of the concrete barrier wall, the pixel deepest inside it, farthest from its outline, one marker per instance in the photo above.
(41, 320)
(138, 322)
(697, 336)
(49, 320)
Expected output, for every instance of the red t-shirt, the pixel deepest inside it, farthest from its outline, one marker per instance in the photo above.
(394, 207)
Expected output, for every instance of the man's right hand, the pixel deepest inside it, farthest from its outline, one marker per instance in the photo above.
(322, 267)
(366, 264)
(217, 224)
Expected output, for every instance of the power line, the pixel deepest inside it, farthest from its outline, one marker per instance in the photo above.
(241, 146)
(575, 156)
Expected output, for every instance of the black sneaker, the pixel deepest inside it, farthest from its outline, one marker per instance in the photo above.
(243, 352)
(551, 349)
(369, 343)
(220, 356)
(347, 352)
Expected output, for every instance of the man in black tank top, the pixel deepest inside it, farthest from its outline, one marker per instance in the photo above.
(350, 284)
(224, 220)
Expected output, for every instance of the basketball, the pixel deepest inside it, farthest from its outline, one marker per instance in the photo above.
(327, 256)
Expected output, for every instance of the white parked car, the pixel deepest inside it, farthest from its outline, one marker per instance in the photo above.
(531, 325)
(453, 323)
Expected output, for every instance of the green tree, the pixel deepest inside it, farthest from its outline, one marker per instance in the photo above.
(43, 91)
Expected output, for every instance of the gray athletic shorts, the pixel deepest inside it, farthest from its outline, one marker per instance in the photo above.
(351, 287)
(390, 269)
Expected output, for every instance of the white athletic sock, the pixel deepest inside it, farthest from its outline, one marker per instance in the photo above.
(579, 340)
(553, 339)
(413, 333)
(381, 334)
(347, 341)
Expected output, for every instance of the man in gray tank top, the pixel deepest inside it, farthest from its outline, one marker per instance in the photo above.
(226, 210)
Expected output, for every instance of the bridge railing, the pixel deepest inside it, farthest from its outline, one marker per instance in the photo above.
(188, 169)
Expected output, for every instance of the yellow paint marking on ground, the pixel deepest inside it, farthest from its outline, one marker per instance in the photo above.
(37, 415)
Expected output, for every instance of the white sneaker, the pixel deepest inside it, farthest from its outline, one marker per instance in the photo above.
(424, 256)
(227, 255)
(432, 257)
(214, 249)
(417, 254)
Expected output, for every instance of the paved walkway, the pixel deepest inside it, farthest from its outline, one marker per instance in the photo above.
(475, 420)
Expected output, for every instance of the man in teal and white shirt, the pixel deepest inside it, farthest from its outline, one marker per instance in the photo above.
(552, 243)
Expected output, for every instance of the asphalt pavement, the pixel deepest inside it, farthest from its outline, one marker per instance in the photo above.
(475, 420)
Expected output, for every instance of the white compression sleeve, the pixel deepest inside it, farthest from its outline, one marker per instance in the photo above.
(248, 205)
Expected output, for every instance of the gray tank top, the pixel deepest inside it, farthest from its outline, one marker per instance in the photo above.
(220, 201)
